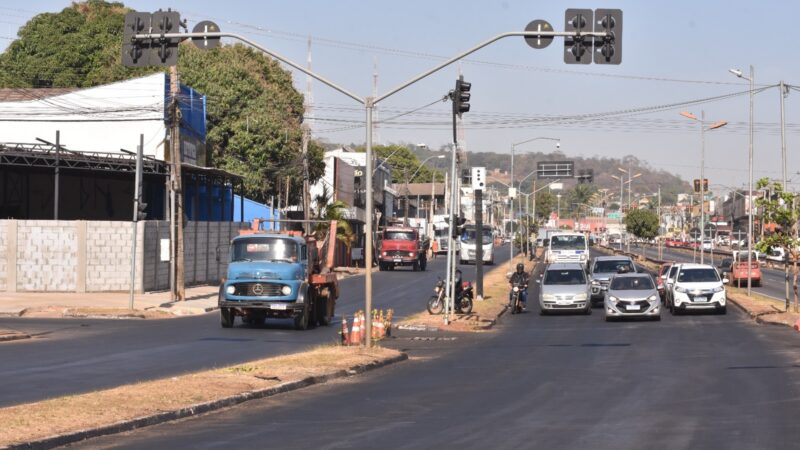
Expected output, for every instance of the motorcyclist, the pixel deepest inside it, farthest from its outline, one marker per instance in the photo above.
(520, 277)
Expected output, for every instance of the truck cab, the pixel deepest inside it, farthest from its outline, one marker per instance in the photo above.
(469, 245)
(276, 276)
(401, 246)
(568, 248)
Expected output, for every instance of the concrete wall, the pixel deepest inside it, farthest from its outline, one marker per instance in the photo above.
(95, 256)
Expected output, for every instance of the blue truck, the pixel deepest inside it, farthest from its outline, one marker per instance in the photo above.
(278, 275)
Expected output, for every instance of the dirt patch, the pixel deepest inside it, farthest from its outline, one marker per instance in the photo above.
(762, 309)
(34, 421)
(12, 335)
(485, 312)
(95, 313)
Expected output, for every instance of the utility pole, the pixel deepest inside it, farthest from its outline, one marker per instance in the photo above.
(306, 136)
(478, 243)
(179, 292)
(56, 183)
(137, 198)
(784, 91)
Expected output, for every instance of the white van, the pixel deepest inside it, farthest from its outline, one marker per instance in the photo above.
(468, 244)
(568, 248)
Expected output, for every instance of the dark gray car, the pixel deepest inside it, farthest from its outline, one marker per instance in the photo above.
(602, 269)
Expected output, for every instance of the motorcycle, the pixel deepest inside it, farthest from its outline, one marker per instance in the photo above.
(464, 297)
(515, 304)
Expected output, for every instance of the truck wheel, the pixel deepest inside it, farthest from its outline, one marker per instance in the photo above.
(226, 317)
(301, 320)
(416, 266)
(326, 312)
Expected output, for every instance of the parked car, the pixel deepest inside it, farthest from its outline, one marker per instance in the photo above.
(601, 271)
(739, 272)
(660, 277)
(564, 287)
(632, 295)
(708, 244)
(697, 287)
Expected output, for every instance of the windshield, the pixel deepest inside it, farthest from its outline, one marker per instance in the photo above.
(398, 236)
(672, 272)
(470, 235)
(632, 283)
(569, 276)
(698, 276)
(568, 242)
(264, 249)
(742, 256)
(612, 266)
(441, 232)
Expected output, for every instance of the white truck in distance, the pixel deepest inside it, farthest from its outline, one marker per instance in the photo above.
(568, 248)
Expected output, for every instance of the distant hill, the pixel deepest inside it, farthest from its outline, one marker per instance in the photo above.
(497, 166)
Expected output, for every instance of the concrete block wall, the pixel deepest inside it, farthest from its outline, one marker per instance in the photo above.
(47, 255)
(108, 256)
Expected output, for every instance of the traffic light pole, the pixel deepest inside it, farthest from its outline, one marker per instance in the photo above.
(137, 198)
(369, 104)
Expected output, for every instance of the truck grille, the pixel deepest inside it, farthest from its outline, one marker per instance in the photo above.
(397, 253)
(258, 289)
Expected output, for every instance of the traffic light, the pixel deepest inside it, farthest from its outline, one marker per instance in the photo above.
(697, 185)
(460, 221)
(164, 51)
(466, 177)
(141, 206)
(135, 53)
(585, 176)
(461, 96)
(608, 50)
(578, 49)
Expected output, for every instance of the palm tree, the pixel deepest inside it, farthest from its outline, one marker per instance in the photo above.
(327, 210)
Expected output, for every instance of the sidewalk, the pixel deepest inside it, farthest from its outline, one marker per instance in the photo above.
(199, 300)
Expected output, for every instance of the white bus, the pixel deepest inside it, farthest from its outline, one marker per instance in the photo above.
(568, 247)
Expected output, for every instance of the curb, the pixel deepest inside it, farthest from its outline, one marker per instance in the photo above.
(14, 337)
(757, 317)
(200, 408)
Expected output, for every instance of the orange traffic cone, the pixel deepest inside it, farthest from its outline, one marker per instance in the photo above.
(355, 336)
(363, 327)
(381, 327)
(345, 337)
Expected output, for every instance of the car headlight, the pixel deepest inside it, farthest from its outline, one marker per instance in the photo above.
(681, 289)
(595, 283)
(580, 297)
(652, 298)
(548, 297)
(516, 289)
(612, 298)
(583, 257)
(411, 254)
(286, 290)
(718, 289)
(231, 289)
(384, 253)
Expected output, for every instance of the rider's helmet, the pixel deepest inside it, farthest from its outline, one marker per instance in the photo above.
(520, 268)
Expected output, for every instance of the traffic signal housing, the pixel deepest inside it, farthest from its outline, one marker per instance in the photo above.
(164, 51)
(578, 49)
(135, 53)
(608, 49)
(461, 96)
(697, 185)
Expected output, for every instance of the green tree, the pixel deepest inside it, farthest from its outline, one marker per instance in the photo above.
(546, 203)
(403, 163)
(326, 209)
(642, 223)
(253, 111)
(780, 209)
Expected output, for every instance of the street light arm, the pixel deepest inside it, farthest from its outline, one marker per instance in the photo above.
(536, 139)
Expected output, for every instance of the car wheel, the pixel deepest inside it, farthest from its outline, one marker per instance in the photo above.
(657, 318)
(588, 310)
(542, 312)
(722, 311)
(609, 319)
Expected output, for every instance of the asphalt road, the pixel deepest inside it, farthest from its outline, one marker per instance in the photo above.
(571, 381)
(77, 355)
(772, 279)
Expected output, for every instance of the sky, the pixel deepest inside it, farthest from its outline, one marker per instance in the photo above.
(672, 52)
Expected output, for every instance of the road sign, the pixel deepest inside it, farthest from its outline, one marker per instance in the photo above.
(539, 41)
(478, 177)
(555, 169)
(614, 216)
(203, 43)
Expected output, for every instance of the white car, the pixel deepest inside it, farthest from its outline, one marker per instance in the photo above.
(697, 286)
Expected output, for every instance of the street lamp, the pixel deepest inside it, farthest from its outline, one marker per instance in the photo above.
(751, 79)
(513, 146)
(714, 126)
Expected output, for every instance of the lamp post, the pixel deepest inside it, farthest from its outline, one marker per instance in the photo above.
(714, 126)
(751, 79)
(514, 146)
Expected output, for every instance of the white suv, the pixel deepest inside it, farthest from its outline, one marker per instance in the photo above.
(697, 286)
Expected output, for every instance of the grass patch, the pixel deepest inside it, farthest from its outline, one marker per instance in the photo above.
(32, 421)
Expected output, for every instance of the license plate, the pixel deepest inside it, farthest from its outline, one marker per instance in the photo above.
(280, 306)
(701, 299)
(564, 302)
(633, 307)
(398, 260)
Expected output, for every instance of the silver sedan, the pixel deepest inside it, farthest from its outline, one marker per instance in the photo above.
(632, 295)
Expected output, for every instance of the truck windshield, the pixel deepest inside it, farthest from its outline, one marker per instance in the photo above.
(568, 242)
(441, 232)
(470, 235)
(398, 236)
(640, 283)
(264, 249)
(698, 276)
(569, 276)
